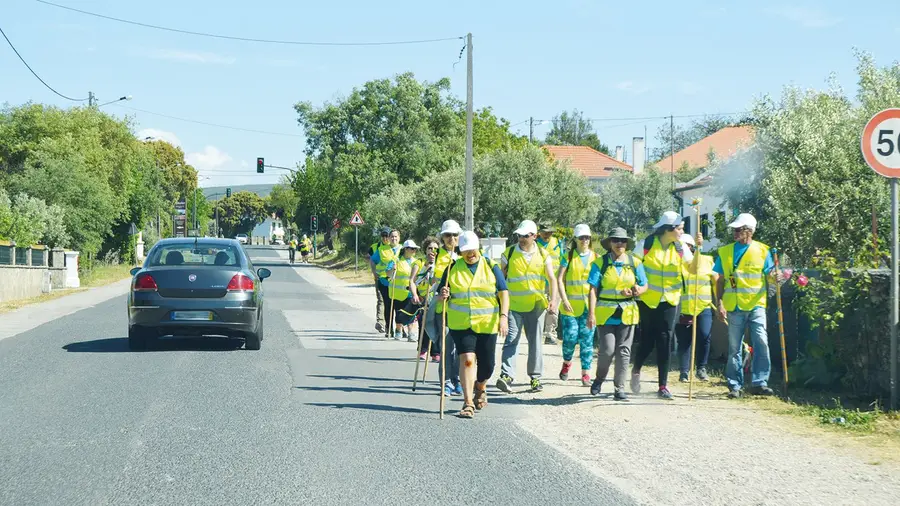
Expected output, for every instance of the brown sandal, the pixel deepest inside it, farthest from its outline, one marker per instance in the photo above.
(468, 411)
(480, 399)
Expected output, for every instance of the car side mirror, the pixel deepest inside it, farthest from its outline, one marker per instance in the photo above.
(135, 270)
(263, 273)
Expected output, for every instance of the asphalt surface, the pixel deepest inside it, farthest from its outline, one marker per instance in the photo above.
(324, 412)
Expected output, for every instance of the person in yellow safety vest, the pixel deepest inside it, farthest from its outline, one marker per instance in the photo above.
(554, 248)
(663, 261)
(617, 278)
(528, 270)
(399, 271)
(696, 312)
(420, 288)
(450, 231)
(385, 255)
(292, 249)
(573, 282)
(305, 248)
(370, 254)
(745, 267)
(477, 310)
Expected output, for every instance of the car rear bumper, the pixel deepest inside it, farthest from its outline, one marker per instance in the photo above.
(234, 315)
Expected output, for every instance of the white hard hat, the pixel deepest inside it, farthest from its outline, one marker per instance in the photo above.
(410, 244)
(582, 230)
(527, 227)
(687, 239)
(744, 220)
(468, 241)
(450, 227)
(670, 218)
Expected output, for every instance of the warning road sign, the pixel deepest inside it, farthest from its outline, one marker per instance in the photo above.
(881, 143)
(357, 220)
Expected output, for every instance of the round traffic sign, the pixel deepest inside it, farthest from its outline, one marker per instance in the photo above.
(881, 143)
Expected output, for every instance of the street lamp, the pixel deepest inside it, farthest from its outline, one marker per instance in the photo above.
(120, 99)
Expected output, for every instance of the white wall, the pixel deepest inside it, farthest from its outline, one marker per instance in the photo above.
(709, 204)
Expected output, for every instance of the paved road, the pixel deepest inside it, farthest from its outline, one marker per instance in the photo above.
(323, 413)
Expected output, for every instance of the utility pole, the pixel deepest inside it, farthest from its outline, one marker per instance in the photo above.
(470, 197)
(91, 99)
(672, 154)
(531, 129)
(194, 220)
(217, 214)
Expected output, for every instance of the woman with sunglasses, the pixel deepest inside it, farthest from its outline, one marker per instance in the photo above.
(664, 262)
(400, 273)
(446, 255)
(573, 278)
(616, 280)
(421, 280)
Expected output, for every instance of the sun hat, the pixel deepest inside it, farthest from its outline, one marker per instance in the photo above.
(450, 227)
(527, 227)
(582, 230)
(468, 241)
(617, 233)
(670, 218)
(410, 244)
(744, 220)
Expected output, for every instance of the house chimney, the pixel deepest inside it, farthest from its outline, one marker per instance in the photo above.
(620, 154)
(637, 154)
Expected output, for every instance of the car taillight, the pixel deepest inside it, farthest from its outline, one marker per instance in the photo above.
(240, 283)
(145, 283)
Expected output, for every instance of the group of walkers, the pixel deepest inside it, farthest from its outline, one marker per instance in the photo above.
(304, 245)
(604, 300)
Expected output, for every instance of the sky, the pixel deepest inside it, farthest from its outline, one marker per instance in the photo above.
(611, 60)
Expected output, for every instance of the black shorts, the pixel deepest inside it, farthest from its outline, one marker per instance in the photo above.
(468, 342)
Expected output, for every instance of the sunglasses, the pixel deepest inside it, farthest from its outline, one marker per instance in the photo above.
(618, 241)
(451, 235)
(584, 238)
(742, 229)
(432, 248)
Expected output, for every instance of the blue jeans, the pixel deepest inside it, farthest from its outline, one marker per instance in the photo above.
(759, 340)
(576, 332)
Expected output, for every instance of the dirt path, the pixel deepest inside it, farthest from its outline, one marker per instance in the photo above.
(709, 451)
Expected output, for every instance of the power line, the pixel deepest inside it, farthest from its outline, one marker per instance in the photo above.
(35, 73)
(209, 124)
(248, 39)
(648, 118)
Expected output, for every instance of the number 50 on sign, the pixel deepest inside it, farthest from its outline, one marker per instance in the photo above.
(881, 143)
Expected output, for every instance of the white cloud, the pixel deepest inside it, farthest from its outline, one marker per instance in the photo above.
(210, 158)
(807, 17)
(169, 137)
(191, 56)
(632, 87)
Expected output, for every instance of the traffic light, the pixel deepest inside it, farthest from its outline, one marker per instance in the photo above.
(314, 223)
(260, 165)
(228, 192)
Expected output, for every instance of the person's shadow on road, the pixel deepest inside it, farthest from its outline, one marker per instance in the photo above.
(120, 345)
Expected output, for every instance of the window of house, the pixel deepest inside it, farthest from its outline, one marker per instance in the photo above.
(704, 225)
(687, 224)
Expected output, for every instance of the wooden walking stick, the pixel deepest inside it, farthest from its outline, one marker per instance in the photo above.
(784, 367)
(419, 343)
(390, 322)
(443, 356)
(693, 350)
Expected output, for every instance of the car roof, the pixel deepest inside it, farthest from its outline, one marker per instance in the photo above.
(206, 241)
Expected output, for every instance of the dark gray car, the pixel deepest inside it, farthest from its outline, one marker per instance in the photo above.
(196, 287)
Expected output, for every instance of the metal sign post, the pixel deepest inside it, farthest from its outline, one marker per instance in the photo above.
(357, 221)
(881, 150)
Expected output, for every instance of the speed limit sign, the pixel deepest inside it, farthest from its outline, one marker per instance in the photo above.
(881, 143)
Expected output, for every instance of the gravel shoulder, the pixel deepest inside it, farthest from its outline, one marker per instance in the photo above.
(709, 451)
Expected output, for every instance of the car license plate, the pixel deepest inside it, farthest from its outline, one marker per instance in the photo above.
(192, 315)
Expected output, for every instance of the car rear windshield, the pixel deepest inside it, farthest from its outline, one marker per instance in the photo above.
(189, 253)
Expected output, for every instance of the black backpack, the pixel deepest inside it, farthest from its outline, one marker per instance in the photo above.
(606, 264)
(648, 243)
(509, 252)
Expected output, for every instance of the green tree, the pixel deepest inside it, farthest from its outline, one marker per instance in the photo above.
(572, 129)
(635, 201)
(240, 213)
(490, 133)
(283, 202)
(805, 179)
(179, 178)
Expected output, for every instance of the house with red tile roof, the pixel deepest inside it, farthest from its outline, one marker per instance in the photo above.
(722, 146)
(592, 164)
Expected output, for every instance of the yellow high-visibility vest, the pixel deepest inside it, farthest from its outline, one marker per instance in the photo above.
(664, 279)
(386, 255)
(704, 286)
(399, 289)
(554, 250)
(745, 286)
(609, 295)
(473, 298)
(577, 287)
(442, 262)
(526, 280)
